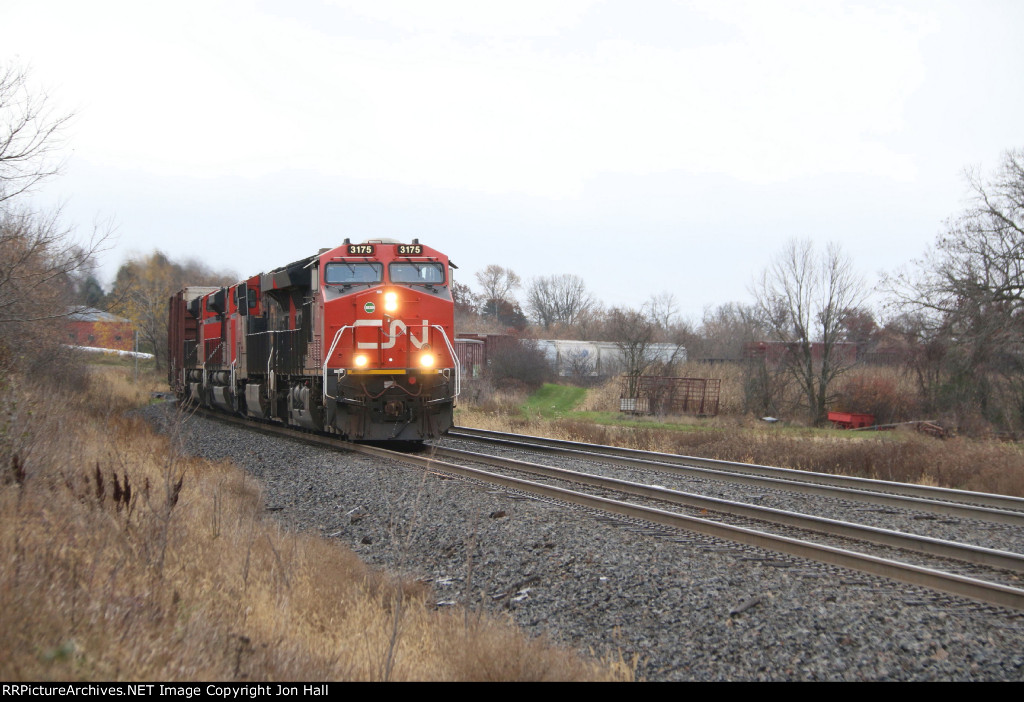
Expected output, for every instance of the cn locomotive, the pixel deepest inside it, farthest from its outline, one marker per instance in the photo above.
(356, 341)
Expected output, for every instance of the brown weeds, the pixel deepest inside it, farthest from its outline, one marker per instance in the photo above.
(121, 559)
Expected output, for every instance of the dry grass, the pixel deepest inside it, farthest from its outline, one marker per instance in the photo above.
(963, 463)
(601, 398)
(606, 396)
(731, 400)
(123, 561)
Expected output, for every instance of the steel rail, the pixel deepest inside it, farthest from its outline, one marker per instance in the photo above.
(972, 588)
(968, 553)
(904, 495)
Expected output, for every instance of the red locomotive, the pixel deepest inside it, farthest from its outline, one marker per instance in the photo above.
(355, 340)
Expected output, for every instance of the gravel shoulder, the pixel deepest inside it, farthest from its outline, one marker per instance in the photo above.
(686, 607)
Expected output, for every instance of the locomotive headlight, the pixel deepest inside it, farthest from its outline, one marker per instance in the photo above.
(361, 360)
(427, 360)
(390, 301)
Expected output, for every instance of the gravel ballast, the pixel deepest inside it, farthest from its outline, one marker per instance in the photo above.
(686, 607)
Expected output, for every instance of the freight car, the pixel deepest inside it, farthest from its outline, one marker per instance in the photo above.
(355, 341)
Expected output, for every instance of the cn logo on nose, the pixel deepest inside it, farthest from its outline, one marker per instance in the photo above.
(398, 327)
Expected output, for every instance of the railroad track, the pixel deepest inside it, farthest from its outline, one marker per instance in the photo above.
(1003, 509)
(564, 486)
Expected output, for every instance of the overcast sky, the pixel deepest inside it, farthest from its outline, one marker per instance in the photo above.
(647, 146)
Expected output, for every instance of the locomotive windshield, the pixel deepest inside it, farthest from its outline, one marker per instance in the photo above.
(429, 273)
(353, 273)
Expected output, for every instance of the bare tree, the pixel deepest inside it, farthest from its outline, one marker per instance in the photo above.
(980, 257)
(859, 327)
(29, 135)
(726, 330)
(663, 309)
(38, 258)
(590, 323)
(968, 291)
(922, 350)
(726, 333)
(498, 282)
(633, 332)
(558, 299)
(802, 297)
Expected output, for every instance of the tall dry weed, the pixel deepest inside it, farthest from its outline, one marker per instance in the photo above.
(123, 559)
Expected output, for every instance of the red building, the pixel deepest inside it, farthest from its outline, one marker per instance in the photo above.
(97, 329)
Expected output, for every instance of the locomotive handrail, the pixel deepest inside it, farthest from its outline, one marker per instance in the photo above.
(206, 360)
(272, 331)
(334, 344)
(206, 357)
(271, 379)
(455, 359)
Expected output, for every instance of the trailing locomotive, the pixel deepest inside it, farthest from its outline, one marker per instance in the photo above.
(355, 340)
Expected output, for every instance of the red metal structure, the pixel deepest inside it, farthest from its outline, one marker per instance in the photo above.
(850, 420)
(355, 340)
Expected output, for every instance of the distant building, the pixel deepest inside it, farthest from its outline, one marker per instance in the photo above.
(98, 329)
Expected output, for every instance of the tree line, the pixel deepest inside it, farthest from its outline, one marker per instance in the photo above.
(951, 320)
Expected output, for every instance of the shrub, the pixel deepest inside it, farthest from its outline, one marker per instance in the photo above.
(517, 364)
(877, 392)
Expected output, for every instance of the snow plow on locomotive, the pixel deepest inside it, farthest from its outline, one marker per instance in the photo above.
(355, 341)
